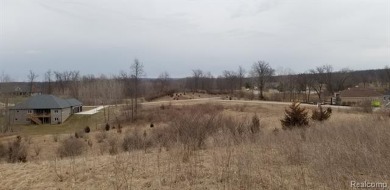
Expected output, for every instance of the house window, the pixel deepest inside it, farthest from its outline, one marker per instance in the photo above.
(56, 119)
(29, 111)
(17, 111)
(55, 111)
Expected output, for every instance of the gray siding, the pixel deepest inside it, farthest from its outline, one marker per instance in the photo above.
(65, 114)
(56, 116)
(19, 117)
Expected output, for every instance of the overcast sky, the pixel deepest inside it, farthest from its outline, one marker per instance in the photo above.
(177, 36)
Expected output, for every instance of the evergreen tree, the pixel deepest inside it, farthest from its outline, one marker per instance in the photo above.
(321, 114)
(294, 117)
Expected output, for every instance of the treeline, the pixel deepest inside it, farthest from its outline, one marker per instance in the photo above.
(322, 81)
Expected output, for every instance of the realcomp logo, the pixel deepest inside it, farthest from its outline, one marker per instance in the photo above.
(366, 184)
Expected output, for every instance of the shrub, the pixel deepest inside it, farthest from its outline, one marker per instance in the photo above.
(321, 114)
(3, 151)
(100, 136)
(194, 126)
(255, 125)
(87, 129)
(295, 117)
(376, 103)
(119, 129)
(132, 141)
(17, 152)
(107, 127)
(162, 136)
(235, 129)
(113, 145)
(71, 147)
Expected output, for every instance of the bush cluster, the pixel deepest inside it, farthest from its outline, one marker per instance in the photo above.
(71, 147)
(321, 114)
(297, 116)
(136, 141)
(17, 151)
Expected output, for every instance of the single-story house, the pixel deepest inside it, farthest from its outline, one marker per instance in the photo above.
(356, 95)
(44, 109)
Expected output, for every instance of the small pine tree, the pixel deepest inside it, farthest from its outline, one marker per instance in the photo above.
(295, 117)
(321, 114)
(87, 129)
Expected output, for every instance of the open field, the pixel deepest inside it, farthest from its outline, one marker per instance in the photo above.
(205, 145)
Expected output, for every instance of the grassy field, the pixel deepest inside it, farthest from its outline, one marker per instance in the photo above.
(205, 146)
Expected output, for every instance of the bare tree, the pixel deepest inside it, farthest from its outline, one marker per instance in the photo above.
(74, 83)
(59, 81)
(291, 85)
(286, 79)
(303, 84)
(31, 78)
(163, 82)
(241, 76)
(68, 83)
(230, 79)
(329, 78)
(48, 76)
(262, 72)
(196, 77)
(207, 81)
(340, 79)
(322, 77)
(137, 71)
(363, 78)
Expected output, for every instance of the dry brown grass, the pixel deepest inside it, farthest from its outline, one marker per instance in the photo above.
(327, 155)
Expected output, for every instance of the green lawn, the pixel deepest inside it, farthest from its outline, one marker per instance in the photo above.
(71, 125)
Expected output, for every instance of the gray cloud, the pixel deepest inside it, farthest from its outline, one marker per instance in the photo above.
(99, 36)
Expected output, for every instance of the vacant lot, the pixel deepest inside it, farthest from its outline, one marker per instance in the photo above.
(203, 146)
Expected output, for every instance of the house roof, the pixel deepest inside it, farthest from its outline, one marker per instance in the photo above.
(360, 92)
(74, 102)
(46, 102)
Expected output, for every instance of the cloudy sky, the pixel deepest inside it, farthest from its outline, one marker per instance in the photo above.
(104, 36)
